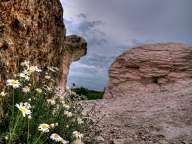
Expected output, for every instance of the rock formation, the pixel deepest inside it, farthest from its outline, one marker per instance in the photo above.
(75, 47)
(151, 68)
(34, 30)
(149, 97)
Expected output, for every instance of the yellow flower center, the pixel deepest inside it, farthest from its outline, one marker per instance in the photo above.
(45, 126)
(23, 109)
(56, 136)
(14, 82)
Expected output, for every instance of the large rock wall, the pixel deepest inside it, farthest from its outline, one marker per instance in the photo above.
(150, 68)
(34, 30)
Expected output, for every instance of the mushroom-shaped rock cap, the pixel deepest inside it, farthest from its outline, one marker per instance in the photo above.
(150, 68)
(76, 45)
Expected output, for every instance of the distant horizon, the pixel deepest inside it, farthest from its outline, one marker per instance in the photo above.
(112, 28)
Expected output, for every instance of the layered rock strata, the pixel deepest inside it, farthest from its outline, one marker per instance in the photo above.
(151, 68)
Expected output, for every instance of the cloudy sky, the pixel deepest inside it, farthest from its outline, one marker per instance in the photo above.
(113, 26)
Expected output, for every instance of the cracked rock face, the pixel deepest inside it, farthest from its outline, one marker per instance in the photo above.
(31, 30)
(150, 69)
(34, 30)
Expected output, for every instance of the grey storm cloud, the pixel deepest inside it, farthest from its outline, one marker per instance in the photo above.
(166, 19)
(88, 29)
(113, 26)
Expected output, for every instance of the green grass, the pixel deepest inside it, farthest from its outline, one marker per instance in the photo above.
(89, 94)
(25, 111)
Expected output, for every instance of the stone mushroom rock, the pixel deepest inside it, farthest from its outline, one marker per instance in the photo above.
(75, 47)
(151, 68)
(149, 97)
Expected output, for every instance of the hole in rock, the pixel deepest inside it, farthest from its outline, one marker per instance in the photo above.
(4, 46)
(15, 25)
(155, 80)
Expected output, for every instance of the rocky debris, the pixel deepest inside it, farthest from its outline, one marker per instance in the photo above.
(152, 68)
(150, 118)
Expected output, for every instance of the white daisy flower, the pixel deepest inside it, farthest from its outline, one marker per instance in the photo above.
(38, 90)
(66, 106)
(27, 105)
(24, 75)
(34, 69)
(51, 101)
(6, 137)
(25, 63)
(56, 137)
(3, 94)
(13, 83)
(31, 69)
(24, 108)
(47, 77)
(80, 121)
(26, 89)
(68, 114)
(26, 72)
(77, 135)
(44, 128)
(53, 125)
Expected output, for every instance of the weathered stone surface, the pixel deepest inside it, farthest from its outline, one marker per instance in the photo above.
(34, 30)
(75, 47)
(149, 118)
(150, 69)
(31, 30)
(149, 97)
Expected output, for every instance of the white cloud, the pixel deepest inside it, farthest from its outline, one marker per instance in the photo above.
(78, 65)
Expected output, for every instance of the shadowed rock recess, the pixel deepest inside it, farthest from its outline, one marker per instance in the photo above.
(149, 96)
